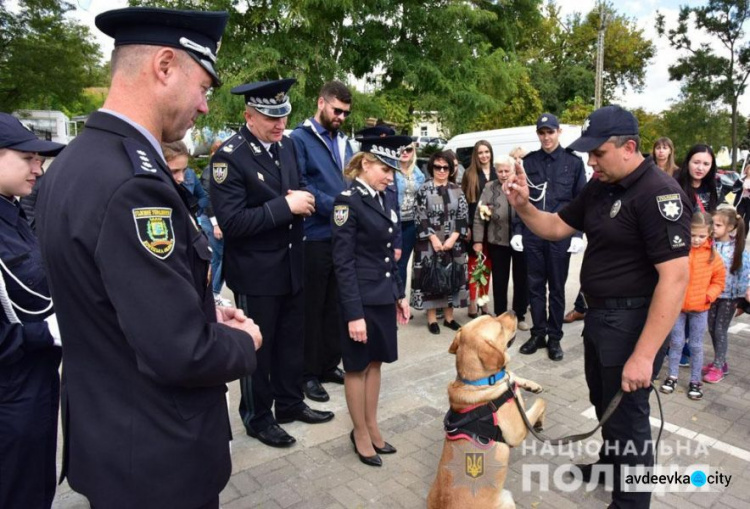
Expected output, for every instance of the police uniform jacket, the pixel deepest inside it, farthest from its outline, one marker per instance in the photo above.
(564, 175)
(144, 414)
(263, 251)
(363, 244)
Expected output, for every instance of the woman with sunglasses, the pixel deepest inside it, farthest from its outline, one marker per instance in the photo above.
(442, 216)
(409, 179)
(29, 338)
(478, 174)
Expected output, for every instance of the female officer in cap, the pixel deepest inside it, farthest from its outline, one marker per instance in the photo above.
(29, 341)
(371, 294)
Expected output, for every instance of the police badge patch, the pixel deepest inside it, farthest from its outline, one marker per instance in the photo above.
(670, 206)
(340, 214)
(220, 172)
(155, 232)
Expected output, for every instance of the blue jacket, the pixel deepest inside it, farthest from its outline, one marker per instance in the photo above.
(325, 180)
(419, 179)
(736, 284)
(192, 184)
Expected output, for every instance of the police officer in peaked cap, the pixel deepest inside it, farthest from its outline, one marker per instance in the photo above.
(260, 201)
(633, 277)
(146, 362)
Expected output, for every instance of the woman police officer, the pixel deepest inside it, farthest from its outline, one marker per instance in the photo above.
(29, 341)
(371, 294)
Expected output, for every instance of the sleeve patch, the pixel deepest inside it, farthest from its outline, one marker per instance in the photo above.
(674, 234)
(670, 206)
(219, 172)
(340, 214)
(154, 229)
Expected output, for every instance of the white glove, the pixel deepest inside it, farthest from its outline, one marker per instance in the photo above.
(576, 245)
(517, 243)
(54, 329)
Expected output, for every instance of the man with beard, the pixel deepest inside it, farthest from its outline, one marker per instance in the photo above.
(322, 154)
(260, 202)
(143, 402)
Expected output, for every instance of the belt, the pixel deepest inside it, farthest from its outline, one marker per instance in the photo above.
(616, 302)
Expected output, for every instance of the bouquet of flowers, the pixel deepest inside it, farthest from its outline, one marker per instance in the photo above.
(485, 213)
(481, 276)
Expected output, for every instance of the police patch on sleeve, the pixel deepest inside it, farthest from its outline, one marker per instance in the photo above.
(219, 171)
(670, 206)
(340, 214)
(675, 234)
(155, 232)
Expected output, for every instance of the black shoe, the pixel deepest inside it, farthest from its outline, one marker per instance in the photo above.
(554, 350)
(306, 414)
(532, 345)
(386, 449)
(452, 324)
(335, 376)
(433, 327)
(314, 391)
(587, 469)
(273, 435)
(373, 461)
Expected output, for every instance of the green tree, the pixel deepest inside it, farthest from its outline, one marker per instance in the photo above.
(704, 71)
(46, 60)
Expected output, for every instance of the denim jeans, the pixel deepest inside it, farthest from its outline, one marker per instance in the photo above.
(697, 323)
(217, 253)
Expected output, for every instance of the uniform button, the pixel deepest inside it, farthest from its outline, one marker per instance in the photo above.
(388, 245)
(290, 227)
(390, 230)
(290, 245)
(387, 274)
(304, 238)
(387, 259)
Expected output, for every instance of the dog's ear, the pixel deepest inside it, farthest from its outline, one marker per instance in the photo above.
(454, 346)
(492, 358)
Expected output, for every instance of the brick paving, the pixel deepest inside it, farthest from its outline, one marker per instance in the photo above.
(321, 470)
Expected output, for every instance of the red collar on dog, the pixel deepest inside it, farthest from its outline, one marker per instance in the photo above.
(479, 424)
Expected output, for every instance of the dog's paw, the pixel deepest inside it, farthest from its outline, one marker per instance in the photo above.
(534, 388)
(539, 426)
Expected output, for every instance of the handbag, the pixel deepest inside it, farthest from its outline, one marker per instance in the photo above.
(441, 275)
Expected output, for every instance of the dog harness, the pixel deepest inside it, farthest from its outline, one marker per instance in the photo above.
(479, 424)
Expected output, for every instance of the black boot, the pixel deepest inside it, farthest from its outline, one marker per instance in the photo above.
(533, 344)
(554, 350)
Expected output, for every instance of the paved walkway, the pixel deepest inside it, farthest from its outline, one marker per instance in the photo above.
(321, 470)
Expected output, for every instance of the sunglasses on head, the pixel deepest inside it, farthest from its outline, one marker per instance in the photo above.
(440, 167)
(338, 111)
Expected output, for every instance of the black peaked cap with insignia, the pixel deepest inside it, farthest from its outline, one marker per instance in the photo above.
(602, 124)
(198, 33)
(268, 97)
(378, 130)
(386, 148)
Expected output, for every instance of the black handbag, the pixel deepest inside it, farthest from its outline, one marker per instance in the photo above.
(441, 275)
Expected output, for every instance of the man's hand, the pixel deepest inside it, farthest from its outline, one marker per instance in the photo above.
(358, 330)
(402, 312)
(517, 243)
(637, 373)
(516, 187)
(217, 233)
(437, 246)
(576, 245)
(301, 203)
(236, 319)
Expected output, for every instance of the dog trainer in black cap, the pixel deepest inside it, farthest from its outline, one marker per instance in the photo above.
(634, 276)
(260, 201)
(144, 413)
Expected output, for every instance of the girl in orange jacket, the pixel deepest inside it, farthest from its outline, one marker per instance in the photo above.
(707, 277)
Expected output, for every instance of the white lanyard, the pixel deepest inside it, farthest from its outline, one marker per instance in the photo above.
(8, 304)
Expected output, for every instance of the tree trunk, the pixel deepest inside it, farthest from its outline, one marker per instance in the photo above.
(734, 133)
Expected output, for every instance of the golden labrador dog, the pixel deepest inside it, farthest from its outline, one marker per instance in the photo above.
(474, 463)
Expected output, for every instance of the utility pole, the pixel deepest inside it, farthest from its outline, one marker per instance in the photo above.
(600, 55)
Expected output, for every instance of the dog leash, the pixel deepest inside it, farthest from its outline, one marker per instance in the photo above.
(582, 436)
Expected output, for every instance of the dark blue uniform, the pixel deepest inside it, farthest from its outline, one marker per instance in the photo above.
(29, 383)
(554, 180)
(367, 274)
(263, 265)
(144, 412)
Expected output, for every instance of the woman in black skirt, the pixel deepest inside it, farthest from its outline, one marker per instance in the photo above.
(371, 294)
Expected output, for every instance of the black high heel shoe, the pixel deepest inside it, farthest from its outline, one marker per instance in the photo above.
(386, 449)
(373, 461)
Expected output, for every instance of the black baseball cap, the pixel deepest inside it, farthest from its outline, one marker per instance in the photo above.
(15, 136)
(601, 125)
(547, 120)
(198, 33)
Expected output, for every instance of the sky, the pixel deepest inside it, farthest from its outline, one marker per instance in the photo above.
(656, 96)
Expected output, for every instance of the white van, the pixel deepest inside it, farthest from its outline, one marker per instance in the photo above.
(505, 140)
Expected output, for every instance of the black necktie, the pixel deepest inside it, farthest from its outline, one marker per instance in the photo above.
(275, 153)
(381, 200)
